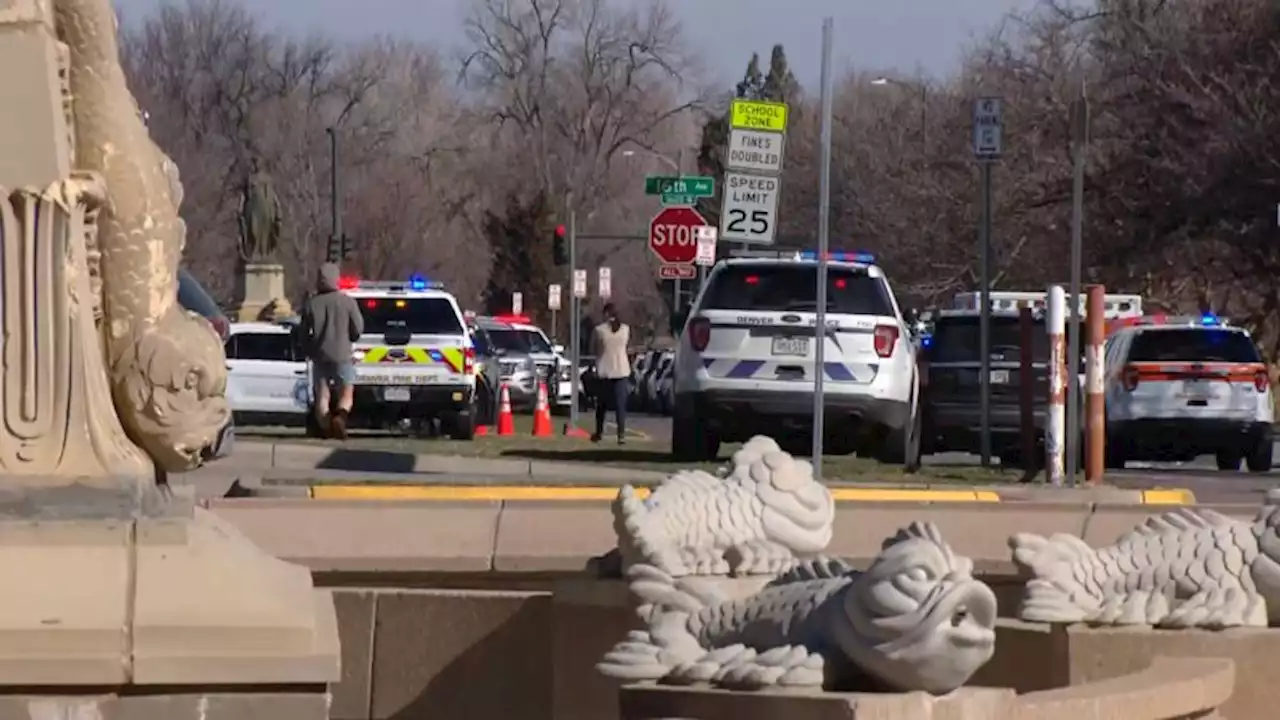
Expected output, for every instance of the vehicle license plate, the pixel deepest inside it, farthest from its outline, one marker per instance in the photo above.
(1196, 389)
(396, 394)
(999, 377)
(798, 346)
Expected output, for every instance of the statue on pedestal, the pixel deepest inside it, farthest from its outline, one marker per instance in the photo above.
(260, 217)
(260, 286)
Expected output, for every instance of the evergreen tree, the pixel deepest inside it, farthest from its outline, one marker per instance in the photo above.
(520, 240)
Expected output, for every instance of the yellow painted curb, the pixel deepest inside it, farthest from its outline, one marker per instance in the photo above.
(529, 492)
(1172, 496)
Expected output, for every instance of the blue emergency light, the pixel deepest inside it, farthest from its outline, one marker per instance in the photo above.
(1209, 319)
(417, 282)
(856, 256)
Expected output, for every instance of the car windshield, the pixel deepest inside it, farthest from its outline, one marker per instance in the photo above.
(1216, 345)
(519, 341)
(418, 316)
(780, 287)
(956, 339)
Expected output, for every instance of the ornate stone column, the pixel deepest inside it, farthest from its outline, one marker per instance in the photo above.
(111, 580)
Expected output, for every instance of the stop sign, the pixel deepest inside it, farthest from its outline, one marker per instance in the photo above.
(672, 235)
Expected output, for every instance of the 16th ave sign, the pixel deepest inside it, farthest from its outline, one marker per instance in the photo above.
(673, 236)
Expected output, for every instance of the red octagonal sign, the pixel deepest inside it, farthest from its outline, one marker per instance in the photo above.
(671, 235)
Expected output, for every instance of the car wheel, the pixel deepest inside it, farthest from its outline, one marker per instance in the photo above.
(901, 446)
(462, 426)
(691, 440)
(1228, 460)
(1259, 459)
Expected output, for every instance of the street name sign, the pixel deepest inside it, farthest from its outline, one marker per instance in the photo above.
(699, 186)
(755, 151)
(750, 213)
(758, 115)
(986, 128)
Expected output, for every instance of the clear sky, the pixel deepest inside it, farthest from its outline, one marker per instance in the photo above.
(870, 34)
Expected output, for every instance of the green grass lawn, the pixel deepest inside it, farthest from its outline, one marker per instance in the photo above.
(639, 452)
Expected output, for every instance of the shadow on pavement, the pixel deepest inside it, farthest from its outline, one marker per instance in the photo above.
(593, 455)
(381, 461)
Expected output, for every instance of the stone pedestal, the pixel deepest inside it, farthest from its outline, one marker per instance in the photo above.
(120, 599)
(260, 293)
(163, 594)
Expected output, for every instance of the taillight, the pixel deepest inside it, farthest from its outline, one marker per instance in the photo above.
(699, 333)
(1261, 381)
(469, 360)
(1130, 377)
(886, 336)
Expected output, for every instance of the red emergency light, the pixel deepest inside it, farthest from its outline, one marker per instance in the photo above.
(348, 282)
(513, 319)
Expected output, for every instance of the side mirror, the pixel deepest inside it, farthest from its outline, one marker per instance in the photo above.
(557, 349)
(911, 316)
(678, 319)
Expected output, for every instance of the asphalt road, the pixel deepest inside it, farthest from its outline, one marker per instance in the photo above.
(1209, 484)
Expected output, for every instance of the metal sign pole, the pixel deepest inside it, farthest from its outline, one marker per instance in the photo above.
(984, 317)
(824, 213)
(575, 353)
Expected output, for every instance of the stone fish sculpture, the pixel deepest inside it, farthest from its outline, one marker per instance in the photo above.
(166, 366)
(763, 513)
(1192, 568)
(915, 620)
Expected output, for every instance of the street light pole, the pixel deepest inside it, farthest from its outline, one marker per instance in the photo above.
(334, 207)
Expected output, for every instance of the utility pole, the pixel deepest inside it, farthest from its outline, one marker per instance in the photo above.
(336, 239)
(575, 319)
(1079, 142)
(675, 305)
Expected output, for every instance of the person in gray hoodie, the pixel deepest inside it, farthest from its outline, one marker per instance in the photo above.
(331, 322)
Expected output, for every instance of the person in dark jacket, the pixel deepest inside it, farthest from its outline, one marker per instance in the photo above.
(331, 322)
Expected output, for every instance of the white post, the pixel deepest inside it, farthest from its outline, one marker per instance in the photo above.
(1055, 426)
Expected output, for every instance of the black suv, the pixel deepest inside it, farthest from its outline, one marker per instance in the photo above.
(952, 419)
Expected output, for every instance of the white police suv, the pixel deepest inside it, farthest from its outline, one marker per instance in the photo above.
(1179, 387)
(745, 362)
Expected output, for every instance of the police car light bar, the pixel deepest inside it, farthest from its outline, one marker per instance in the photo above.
(414, 283)
(855, 256)
(858, 256)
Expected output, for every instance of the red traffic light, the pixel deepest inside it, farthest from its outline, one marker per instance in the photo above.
(560, 231)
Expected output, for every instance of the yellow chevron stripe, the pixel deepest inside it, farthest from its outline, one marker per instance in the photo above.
(418, 355)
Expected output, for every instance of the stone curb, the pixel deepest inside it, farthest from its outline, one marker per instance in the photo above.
(292, 456)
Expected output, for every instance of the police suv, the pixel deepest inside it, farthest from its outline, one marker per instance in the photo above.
(415, 361)
(1179, 387)
(745, 361)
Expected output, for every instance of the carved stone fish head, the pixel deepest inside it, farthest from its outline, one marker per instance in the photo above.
(918, 619)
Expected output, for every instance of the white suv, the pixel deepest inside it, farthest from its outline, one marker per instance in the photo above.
(266, 376)
(745, 361)
(1181, 387)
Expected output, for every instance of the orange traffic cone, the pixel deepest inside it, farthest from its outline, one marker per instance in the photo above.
(542, 414)
(506, 422)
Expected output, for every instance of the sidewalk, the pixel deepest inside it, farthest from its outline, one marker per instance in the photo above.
(337, 473)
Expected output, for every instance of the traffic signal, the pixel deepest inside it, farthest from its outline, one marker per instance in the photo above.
(560, 247)
(348, 249)
(333, 253)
